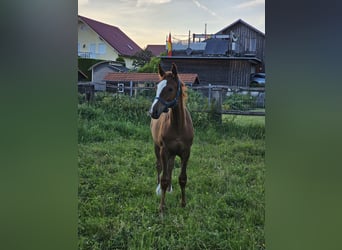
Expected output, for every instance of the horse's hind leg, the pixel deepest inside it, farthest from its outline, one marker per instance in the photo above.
(170, 166)
(183, 177)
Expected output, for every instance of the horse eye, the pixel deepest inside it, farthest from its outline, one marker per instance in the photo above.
(170, 89)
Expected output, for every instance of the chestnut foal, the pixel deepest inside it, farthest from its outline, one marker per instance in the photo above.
(172, 131)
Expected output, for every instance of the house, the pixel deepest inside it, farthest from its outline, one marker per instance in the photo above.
(101, 69)
(227, 57)
(156, 49)
(116, 81)
(98, 40)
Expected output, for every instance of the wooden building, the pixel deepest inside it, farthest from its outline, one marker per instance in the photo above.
(232, 71)
(228, 57)
(246, 40)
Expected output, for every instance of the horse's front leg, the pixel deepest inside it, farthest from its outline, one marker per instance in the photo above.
(183, 176)
(170, 167)
(158, 167)
(165, 179)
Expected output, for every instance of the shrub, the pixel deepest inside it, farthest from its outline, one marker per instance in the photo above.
(196, 102)
(240, 102)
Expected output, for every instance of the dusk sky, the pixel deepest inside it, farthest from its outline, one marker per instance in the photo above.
(150, 21)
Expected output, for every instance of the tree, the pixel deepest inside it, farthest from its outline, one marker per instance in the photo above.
(151, 66)
(121, 60)
(142, 57)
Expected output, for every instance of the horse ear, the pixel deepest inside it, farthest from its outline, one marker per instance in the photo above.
(174, 69)
(161, 71)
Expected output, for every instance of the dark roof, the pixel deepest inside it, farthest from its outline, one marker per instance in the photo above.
(156, 49)
(147, 77)
(113, 36)
(118, 66)
(242, 22)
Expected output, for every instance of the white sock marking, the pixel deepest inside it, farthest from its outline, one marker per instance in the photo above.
(158, 190)
(170, 189)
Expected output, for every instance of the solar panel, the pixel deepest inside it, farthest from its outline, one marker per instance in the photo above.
(216, 47)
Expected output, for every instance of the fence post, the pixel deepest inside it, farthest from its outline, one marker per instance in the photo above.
(131, 88)
(216, 109)
(209, 96)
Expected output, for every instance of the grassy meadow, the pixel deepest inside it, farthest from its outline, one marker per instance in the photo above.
(118, 207)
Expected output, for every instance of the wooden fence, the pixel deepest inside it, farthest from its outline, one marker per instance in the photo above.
(221, 99)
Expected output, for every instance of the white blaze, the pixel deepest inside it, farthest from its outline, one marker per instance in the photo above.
(161, 85)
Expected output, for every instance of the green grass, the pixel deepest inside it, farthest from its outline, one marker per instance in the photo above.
(118, 207)
(245, 120)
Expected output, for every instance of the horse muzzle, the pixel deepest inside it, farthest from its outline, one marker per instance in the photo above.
(156, 110)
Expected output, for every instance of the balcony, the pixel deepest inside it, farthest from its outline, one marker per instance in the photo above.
(90, 55)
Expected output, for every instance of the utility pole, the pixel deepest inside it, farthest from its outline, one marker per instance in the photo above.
(205, 31)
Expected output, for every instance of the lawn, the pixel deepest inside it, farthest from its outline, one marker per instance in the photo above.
(118, 207)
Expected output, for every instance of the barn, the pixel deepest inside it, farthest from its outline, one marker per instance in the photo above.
(227, 57)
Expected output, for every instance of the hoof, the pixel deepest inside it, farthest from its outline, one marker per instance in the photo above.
(158, 190)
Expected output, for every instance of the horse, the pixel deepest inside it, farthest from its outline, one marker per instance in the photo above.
(172, 132)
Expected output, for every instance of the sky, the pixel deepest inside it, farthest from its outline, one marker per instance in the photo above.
(150, 21)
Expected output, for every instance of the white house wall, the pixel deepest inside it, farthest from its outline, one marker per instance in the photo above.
(90, 45)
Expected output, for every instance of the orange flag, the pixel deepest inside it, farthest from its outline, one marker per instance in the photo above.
(169, 46)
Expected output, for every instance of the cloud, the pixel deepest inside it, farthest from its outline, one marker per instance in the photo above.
(199, 5)
(149, 2)
(249, 4)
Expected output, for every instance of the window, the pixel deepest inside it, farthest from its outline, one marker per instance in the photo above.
(102, 48)
(78, 49)
(92, 50)
(252, 44)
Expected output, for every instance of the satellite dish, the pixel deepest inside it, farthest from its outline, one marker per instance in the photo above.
(233, 36)
(188, 51)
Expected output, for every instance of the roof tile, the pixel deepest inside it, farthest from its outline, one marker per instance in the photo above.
(146, 77)
(114, 36)
(156, 49)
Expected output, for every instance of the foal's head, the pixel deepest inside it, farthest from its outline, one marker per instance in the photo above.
(169, 91)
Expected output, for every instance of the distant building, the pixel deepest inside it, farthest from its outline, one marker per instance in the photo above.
(227, 57)
(101, 69)
(156, 49)
(98, 40)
